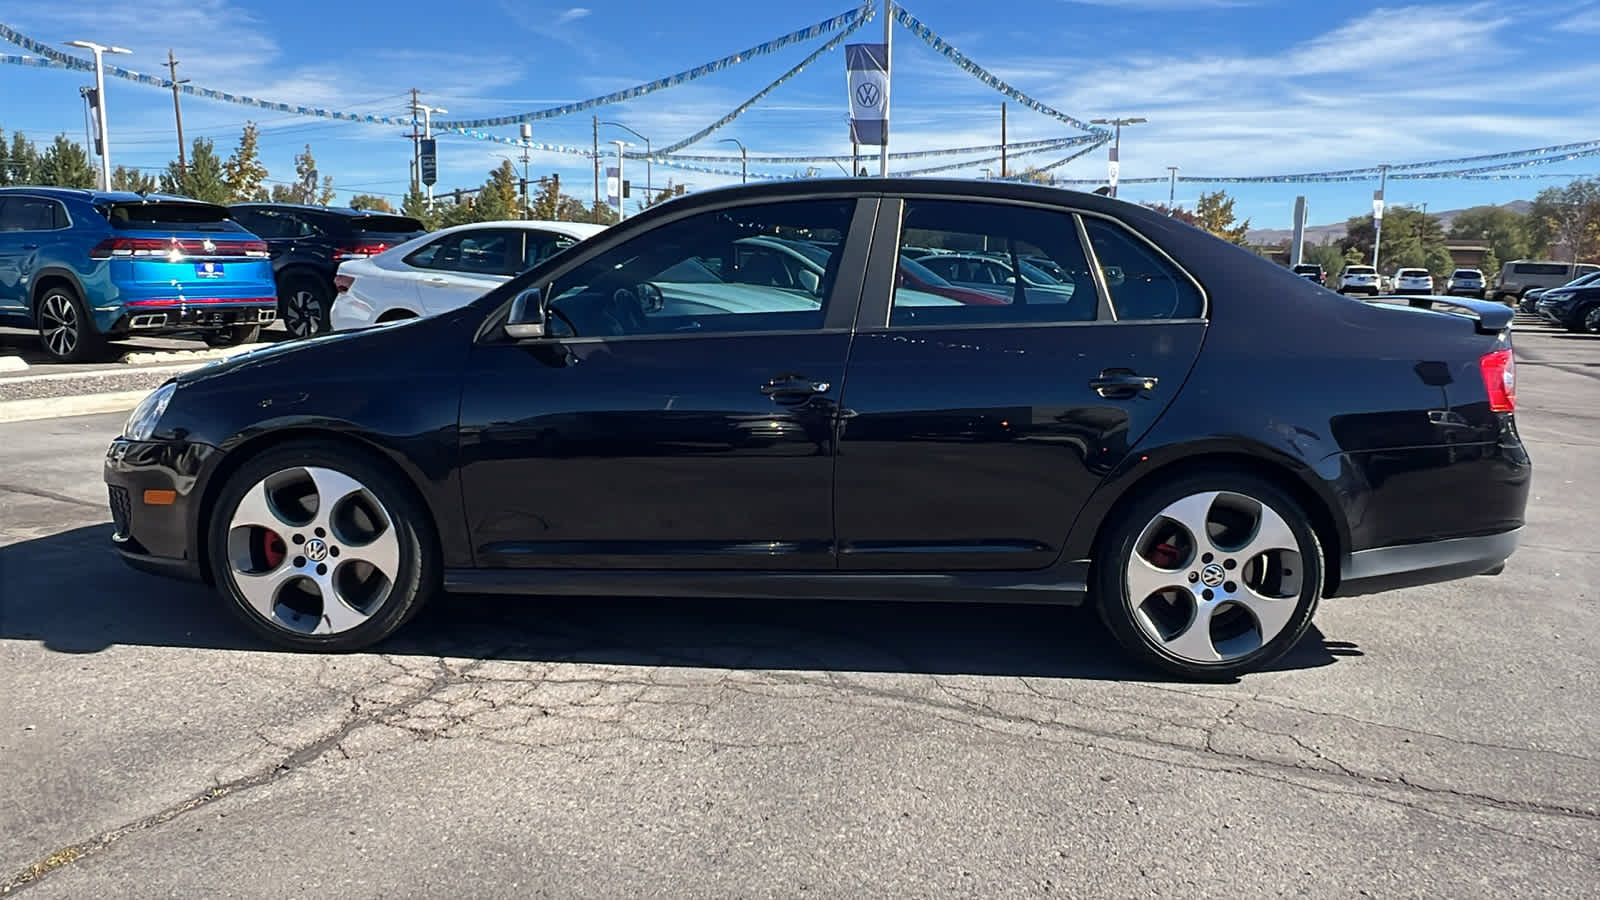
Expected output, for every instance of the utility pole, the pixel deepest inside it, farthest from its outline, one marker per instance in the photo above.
(594, 213)
(177, 111)
(1002, 139)
(622, 206)
(416, 146)
(1114, 168)
(744, 159)
(1172, 190)
(99, 51)
(527, 137)
(888, 36)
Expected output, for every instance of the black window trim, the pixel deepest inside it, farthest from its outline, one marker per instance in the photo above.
(59, 207)
(839, 313)
(877, 297)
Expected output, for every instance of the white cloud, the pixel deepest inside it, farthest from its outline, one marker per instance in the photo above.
(1585, 22)
(572, 15)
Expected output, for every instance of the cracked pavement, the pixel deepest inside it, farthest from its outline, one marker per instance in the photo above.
(1439, 741)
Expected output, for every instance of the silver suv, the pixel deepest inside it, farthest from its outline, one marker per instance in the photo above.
(1523, 275)
(1465, 283)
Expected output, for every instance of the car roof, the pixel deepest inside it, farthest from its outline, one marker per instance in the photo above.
(346, 211)
(94, 196)
(572, 229)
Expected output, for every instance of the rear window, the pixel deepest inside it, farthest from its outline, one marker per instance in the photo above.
(1307, 268)
(386, 225)
(1468, 273)
(1358, 270)
(1413, 273)
(1540, 268)
(187, 216)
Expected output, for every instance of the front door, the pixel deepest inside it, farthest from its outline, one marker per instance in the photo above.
(973, 433)
(681, 412)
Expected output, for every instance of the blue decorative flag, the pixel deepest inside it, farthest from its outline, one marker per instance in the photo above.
(868, 67)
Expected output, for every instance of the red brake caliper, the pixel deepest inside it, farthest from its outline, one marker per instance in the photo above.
(272, 548)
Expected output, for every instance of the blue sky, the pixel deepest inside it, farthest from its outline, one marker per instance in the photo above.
(1231, 87)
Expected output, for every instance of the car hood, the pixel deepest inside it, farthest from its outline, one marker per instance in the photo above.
(307, 355)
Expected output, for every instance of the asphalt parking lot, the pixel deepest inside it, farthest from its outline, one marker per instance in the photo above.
(1439, 741)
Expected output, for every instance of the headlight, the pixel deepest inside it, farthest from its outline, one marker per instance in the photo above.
(142, 423)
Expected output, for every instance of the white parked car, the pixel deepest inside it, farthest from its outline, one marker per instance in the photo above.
(445, 269)
(1413, 281)
(1359, 279)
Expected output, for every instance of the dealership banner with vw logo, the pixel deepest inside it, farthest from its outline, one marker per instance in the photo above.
(868, 65)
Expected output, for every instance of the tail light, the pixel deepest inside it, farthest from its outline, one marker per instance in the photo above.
(341, 283)
(360, 250)
(131, 247)
(174, 248)
(1500, 379)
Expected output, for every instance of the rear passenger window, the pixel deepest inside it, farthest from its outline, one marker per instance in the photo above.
(31, 214)
(1142, 284)
(965, 263)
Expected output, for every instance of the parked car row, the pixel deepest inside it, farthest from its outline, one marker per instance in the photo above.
(1574, 306)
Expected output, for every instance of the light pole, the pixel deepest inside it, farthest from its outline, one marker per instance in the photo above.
(427, 133)
(647, 186)
(1377, 217)
(622, 208)
(99, 51)
(1172, 189)
(1116, 145)
(744, 160)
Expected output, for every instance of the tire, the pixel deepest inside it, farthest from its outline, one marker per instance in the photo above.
(66, 330)
(1158, 629)
(279, 586)
(304, 302)
(1589, 319)
(233, 336)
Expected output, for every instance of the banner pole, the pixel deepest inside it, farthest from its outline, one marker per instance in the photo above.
(888, 82)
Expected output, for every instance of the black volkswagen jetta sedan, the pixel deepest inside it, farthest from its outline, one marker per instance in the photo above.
(741, 394)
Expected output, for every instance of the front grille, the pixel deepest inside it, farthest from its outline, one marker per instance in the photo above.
(121, 509)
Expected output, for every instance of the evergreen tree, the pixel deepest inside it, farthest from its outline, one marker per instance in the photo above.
(65, 164)
(203, 180)
(126, 179)
(20, 163)
(416, 206)
(662, 195)
(497, 199)
(244, 172)
(546, 206)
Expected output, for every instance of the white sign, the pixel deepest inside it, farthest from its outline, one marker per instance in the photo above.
(1113, 168)
(1377, 209)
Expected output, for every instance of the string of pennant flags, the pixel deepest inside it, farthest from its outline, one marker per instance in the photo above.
(1497, 166)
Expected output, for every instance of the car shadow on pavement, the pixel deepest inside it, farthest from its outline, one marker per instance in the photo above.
(71, 594)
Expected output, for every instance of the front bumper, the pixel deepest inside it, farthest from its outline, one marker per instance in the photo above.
(153, 488)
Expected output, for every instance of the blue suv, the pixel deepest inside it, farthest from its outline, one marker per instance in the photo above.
(84, 267)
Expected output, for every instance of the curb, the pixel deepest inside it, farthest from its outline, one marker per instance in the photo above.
(151, 357)
(63, 407)
(13, 364)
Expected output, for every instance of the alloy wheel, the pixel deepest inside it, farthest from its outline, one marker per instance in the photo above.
(1214, 577)
(1591, 322)
(59, 325)
(302, 314)
(313, 551)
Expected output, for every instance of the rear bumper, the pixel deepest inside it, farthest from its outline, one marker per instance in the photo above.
(191, 317)
(1409, 565)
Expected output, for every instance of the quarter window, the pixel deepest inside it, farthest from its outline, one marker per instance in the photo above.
(1142, 284)
(978, 263)
(31, 214)
(541, 245)
(754, 268)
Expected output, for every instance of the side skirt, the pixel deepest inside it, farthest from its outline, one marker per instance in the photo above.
(1063, 585)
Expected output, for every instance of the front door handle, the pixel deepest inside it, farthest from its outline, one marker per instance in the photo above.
(794, 386)
(1122, 383)
(30, 246)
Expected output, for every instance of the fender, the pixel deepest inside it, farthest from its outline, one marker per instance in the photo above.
(47, 272)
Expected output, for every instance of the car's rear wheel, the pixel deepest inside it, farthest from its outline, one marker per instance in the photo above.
(319, 548)
(1591, 319)
(1209, 576)
(234, 336)
(303, 304)
(66, 331)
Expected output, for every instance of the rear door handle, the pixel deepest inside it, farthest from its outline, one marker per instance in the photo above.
(794, 386)
(1122, 383)
(30, 246)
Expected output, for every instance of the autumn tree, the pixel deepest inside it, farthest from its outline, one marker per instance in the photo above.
(1215, 214)
(371, 203)
(1571, 217)
(497, 199)
(662, 195)
(126, 179)
(1176, 212)
(244, 172)
(305, 188)
(546, 205)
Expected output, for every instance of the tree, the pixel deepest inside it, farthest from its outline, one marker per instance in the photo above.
(1326, 254)
(126, 179)
(416, 206)
(662, 195)
(497, 199)
(244, 172)
(1489, 265)
(305, 188)
(1571, 217)
(464, 213)
(64, 164)
(19, 164)
(203, 180)
(546, 205)
(603, 214)
(571, 209)
(1176, 212)
(1409, 237)
(1506, 231)
(1215, 212)
(371, 203)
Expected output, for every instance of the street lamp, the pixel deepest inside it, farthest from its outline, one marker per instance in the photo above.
(100, 95)
(744, 160)
(1116, 145)
(427, 134)
(622, 208)
(1172, 189)
(647, 185)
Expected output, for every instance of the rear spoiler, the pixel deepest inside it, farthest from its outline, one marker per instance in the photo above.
(1491, 317)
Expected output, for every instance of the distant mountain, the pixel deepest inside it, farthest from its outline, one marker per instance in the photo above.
(1316, 234)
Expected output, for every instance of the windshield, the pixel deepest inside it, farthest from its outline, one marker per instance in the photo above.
(176, 215)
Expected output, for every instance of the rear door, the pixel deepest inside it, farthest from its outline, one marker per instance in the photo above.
(972, 434)
(466, 265)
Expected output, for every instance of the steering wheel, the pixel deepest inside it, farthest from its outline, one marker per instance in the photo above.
(627, 307)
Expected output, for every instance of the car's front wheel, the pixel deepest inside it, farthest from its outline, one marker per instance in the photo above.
(316, 547)
(1591, 319)
(1209, 576)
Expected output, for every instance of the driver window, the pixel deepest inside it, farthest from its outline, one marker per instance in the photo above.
(754, 268)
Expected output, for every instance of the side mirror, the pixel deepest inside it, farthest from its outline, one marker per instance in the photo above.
(527, 315)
